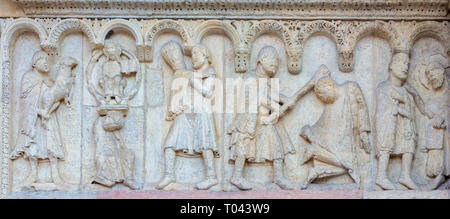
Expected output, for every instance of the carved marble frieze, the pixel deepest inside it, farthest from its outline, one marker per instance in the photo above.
(268, 9)
(87, 102)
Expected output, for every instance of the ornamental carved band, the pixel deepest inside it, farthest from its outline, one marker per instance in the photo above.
(89, 96)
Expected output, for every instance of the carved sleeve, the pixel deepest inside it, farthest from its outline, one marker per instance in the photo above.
(419, 102)
(206, 88)
(29, 96)
(363, 113)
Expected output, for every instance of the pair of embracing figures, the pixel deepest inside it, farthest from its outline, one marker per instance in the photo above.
(193, 130)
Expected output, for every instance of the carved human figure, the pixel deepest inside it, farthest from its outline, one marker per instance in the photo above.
(192, 131)
(39, 136)
(395, 122)
(342, 128)
(255, 137)
(112, 71)
(180, 135)
(433, 79)
(205, 142)
(114, 162)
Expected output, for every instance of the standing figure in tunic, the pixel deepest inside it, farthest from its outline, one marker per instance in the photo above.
(395, 122)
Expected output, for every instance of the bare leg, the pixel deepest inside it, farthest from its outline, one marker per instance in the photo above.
(169, 174)
(238, 179)
(405, 177)
(435, 162)
(382, 179)
(211, 179)
(280, 180)
(54, 171)
(323, 155)
(33, 177)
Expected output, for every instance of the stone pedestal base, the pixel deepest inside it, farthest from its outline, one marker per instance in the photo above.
(272, 194)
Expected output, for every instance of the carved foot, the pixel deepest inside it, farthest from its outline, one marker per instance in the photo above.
(165, 182)
(132, 184)
(284, 183)
(104, 182)
(30, 180)
(58, 181)
(304, 185)
(241, 183)
(437, 181)
(408, 182)
(385, 183)
(207, 183)
(445, 185)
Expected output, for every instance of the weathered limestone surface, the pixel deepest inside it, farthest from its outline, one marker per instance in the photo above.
(357, 104)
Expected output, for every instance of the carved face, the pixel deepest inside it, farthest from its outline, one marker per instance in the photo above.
(270, 66)
(198, 58)
(111, 50)
(399, 66)
(325, 90)
(43, 65)
(436, 77)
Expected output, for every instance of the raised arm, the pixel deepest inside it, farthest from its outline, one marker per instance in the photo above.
(419, 102)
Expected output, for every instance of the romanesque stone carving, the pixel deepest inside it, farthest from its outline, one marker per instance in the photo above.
(395, 122)
(114, 161)
(193, 130)
(431, 76)
(39, 136)
(333, 9)
(342, 129)
(145, 132)
(256, 137)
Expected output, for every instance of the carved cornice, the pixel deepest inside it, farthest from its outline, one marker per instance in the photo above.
(242, 9)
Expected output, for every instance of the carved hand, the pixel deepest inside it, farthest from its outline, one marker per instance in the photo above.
(423, 149)
(439, 122)
(403, 111)
(397, 97)
(270, 119)
(170, 116)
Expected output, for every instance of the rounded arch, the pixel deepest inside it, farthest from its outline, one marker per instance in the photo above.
(216, 26)
(377, 28)
(323, 27)
(21, 25)
(293, 49)
(346, 48)
(330, 30)
(68, 26)
(122, 24)
(432, 29)
(164, 26)
(265, 27)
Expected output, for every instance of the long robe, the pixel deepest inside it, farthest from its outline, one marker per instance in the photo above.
(35, 139)
(340, 126)
(438, 139)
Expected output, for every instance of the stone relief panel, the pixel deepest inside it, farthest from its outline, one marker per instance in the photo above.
(89, 104)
